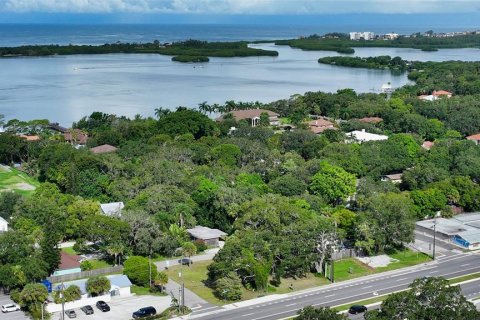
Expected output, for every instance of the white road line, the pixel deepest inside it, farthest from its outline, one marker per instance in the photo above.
(367, 287)
(331, 295)
(465, 264)
(401, 279)
(291, 304)
(248, 314)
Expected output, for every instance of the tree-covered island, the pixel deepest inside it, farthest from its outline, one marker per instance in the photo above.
(380, 62)
(342, 44)
(184, 51)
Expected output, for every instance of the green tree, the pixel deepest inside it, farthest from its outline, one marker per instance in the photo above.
(333, 183)
(264, 119)
(324, 313)
(97, 286)
(226, 154)
(189, 249)
(427, 299)
(138, 269)
(32, 297)
(161, 279)
(229, 287)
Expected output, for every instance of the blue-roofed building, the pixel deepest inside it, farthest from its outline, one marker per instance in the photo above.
(119, 285)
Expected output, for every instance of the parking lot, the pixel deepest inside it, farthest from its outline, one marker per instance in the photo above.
(16, 315)
(122, 308)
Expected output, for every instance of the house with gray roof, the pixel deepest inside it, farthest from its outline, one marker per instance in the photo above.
(119, 285)
(208, 236)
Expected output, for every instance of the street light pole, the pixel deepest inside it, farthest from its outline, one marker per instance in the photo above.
(434, 237)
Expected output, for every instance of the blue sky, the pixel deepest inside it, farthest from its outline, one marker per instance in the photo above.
(202, 11)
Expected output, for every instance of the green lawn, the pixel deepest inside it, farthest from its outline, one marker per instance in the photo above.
(143, 291)
(69, 250)
(345, 269)
(99, 264)
(13, 179)
(195, 276)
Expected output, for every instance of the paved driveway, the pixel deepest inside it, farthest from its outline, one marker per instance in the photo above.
(17, 315)
(122, 308)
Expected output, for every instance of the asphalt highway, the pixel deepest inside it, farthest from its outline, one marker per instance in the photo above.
(283, 306)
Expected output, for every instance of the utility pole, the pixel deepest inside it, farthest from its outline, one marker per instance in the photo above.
(150, 268)
(183, 296)
(63, 302)
(434, 237)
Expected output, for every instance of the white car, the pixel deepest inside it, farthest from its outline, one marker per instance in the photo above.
(10, 307)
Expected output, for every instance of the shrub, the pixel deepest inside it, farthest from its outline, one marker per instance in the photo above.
(201, 246)
(97, 286)
(229, 287)
(86, 265)
(137, 269)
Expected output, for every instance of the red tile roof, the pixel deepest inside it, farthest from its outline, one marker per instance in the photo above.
(474, 137)
(78, 136)
(104, 148)
(370, 120)
(68, 261)
(427, 145)
(29, 137)
(320, 123)
(441, 93)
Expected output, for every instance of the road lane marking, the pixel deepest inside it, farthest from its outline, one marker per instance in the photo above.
(248, 314)
(465, 264)
(291, 304)
(331, 295)
(401, 279)
(367, 287)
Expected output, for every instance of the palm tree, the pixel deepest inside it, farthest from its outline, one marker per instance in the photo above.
(204, 107)
(161, 280)
(116, 249)
(160, 112)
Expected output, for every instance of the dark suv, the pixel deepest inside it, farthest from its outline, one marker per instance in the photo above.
(87, 309)
(103, 306)
(144, 312)
(357, 309)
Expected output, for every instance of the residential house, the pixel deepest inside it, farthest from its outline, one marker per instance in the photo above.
(475, 138)
(112, 208)
(69, 263)
(104, 148)
(362, 35)
(427, 145)
(3, 225)
(76, 137)
(320, 125)
(435, 95)
(208, 236)
(253, 116)
(363, 136)
(393, 178)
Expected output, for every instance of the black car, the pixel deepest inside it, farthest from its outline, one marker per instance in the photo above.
(185, 261)
(87, 309)
(71, 313)
(357, 309)
(103, 306)
(144, 312)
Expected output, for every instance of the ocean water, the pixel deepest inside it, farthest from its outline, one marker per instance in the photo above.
(65, 88)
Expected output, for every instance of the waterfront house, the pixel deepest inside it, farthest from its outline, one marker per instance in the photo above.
(252, 116)
(76, 137)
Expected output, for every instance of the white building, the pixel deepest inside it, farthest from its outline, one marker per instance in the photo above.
(3, 225)
(390, 36)
(362, 35)
(363, 136)
(112, 208)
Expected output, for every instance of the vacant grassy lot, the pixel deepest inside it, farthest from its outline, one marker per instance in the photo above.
(195, 276)
(14, 180)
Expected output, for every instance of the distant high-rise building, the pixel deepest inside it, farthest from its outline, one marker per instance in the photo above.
(362, 35)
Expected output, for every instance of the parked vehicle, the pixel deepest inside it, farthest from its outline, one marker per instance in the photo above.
(87, 309)
(144, 312)
(71, 313)
(185, 261)
(357, 309)
(103, 306)
(10, 307)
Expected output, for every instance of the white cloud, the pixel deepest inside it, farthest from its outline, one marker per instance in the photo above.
(241, 6)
